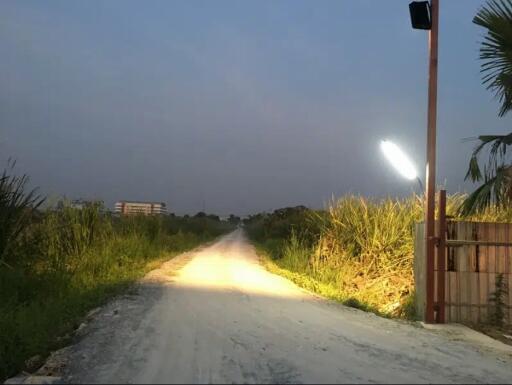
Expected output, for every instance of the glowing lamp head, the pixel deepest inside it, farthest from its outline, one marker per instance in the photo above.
(398, 160)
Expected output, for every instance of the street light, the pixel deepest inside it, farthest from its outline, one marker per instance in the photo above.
(426, 16)
(400, 161)
(420, 15)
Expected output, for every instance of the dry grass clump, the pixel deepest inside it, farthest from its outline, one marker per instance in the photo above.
(369, 243)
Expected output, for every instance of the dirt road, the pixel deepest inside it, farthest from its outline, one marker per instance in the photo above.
(217, 316)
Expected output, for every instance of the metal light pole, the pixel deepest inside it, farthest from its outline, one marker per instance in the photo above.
(430, 191)
(426, 16)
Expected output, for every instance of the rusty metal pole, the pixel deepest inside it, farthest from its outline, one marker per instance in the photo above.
(430, 236)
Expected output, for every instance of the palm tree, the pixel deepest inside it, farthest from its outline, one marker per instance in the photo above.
(496, 68)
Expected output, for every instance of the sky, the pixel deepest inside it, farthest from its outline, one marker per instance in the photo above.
(233, 106)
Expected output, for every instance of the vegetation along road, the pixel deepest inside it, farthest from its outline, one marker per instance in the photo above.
(216, 315)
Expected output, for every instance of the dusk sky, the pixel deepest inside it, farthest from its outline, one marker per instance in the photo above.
(242, 106)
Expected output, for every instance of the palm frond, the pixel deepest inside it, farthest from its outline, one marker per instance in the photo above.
(497, 156)
(496, 50)
(496, 189)
(474, 172)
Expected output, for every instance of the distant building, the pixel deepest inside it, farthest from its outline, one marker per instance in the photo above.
(144, 208)
(80, 204)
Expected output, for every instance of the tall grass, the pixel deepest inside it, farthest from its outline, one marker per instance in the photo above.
(16, 209)
(60, 264)
(359, 250)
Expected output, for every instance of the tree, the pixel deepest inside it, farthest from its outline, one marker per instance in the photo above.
(233, 219)
(496, 55)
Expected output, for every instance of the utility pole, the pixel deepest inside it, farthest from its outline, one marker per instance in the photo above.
(425, 15)
(430, 190)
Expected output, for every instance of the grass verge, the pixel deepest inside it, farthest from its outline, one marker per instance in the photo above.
(358, 251)
(66, 262)
(306, 281)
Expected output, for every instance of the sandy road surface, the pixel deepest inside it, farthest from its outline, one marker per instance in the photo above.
(217, 316)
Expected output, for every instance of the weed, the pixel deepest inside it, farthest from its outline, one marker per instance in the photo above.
(497, 301)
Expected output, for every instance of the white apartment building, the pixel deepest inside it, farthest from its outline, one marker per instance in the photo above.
(143, 208)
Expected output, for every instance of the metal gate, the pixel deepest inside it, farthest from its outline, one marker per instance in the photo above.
(469, 257)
